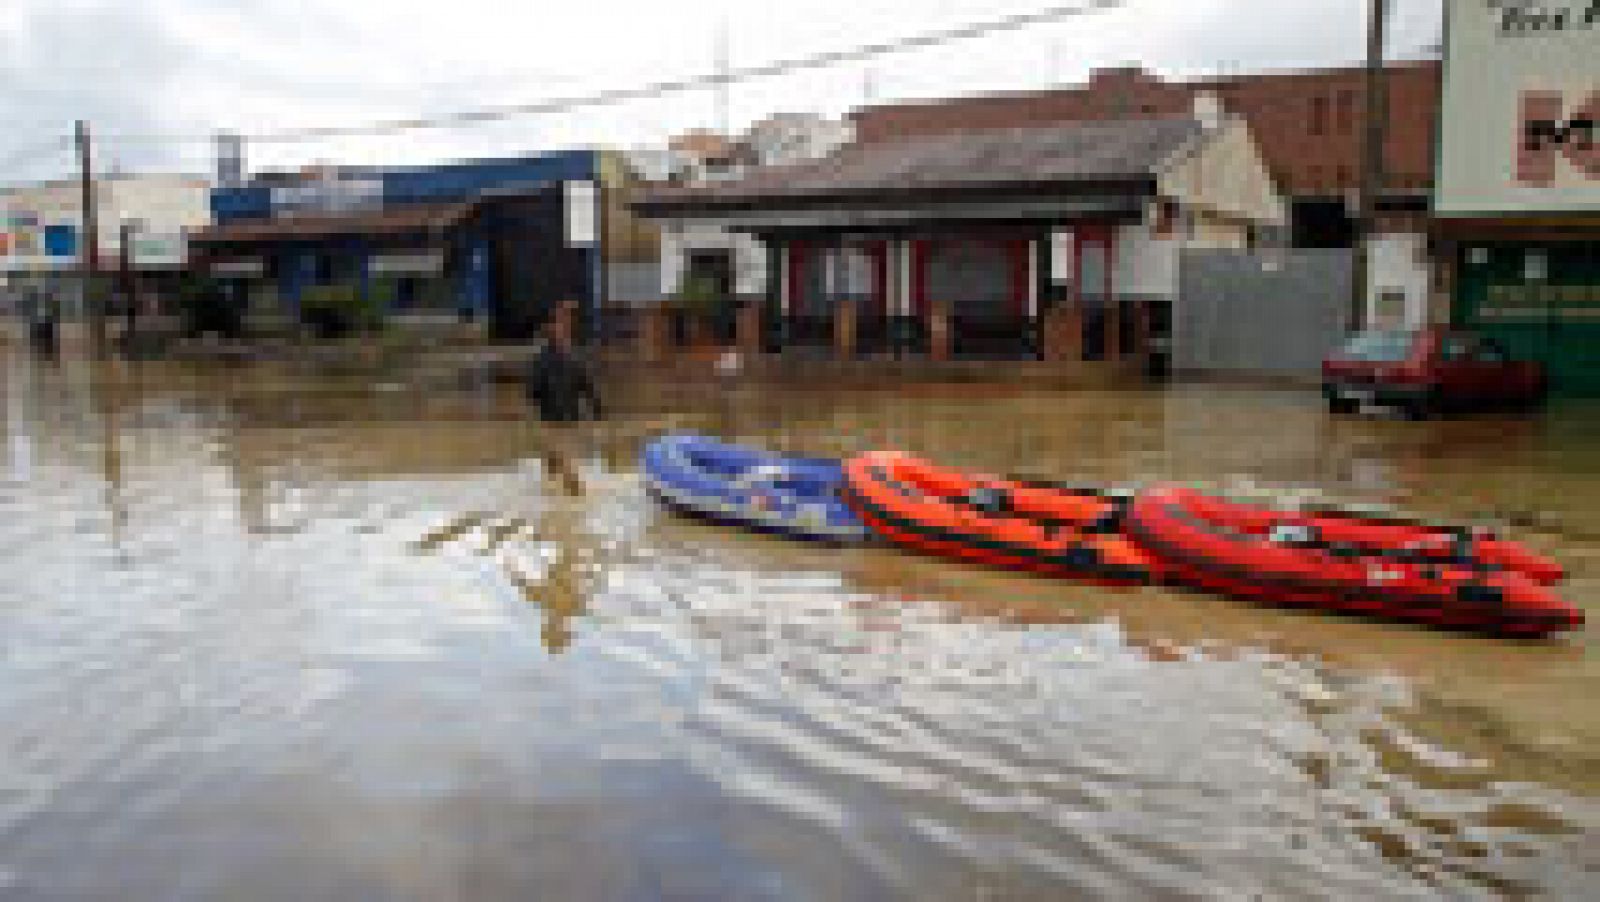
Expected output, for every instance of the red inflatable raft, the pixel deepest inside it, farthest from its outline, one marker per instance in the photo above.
(1350, 563)
(1054, 530)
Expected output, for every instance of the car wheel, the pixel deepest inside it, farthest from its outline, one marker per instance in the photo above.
(1339, 405)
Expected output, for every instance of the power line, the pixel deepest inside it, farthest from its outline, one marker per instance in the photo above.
(862, 53)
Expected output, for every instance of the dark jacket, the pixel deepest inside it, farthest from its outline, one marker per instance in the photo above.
(562, 385)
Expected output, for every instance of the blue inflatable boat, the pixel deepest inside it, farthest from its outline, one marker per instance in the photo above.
(746, 487)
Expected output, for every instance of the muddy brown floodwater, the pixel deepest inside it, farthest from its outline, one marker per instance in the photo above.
(267, 635)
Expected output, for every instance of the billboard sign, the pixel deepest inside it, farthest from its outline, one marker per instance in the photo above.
(328, 195)
(1520, 100)
(583, 213)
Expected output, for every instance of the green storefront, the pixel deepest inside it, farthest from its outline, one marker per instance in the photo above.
(1541, 299)
(1516, 199)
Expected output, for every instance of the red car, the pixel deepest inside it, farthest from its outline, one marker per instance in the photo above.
(1424, 371)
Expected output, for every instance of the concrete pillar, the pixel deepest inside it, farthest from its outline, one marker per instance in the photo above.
(1063, 331)
(1034, 263)
(747, 329)
(1113, 329)
(844, 330)
(939, 339)
(655, 332)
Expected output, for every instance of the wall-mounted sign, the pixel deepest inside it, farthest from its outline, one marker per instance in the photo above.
(60, 240)
(328, 195)
(583, 214)
(154, 249)
(1520, 100)
(421, 263)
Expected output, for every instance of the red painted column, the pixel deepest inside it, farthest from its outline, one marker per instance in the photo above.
(880, 278)
(1018, 249)
(795, 276)
(919, 277)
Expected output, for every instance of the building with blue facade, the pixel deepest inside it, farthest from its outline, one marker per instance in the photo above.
(498, 241)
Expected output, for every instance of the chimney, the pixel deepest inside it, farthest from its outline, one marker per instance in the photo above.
(1208, 111)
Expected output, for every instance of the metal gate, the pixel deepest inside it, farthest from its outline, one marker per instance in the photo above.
(1275, 313)
(1542, 301)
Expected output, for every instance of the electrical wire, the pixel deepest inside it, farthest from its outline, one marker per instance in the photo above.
(658, 89)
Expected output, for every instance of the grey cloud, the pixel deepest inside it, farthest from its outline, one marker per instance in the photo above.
(107, 63)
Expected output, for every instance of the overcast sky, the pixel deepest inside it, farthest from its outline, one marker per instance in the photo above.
(192, 66)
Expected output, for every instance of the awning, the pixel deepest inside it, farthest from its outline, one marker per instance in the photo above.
(425, 218)
(1577, 226)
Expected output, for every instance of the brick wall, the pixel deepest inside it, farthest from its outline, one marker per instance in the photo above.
(1308, 123)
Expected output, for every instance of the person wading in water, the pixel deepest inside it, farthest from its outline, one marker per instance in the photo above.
(559, 381)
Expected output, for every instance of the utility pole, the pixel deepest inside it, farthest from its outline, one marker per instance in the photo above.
(89, 240)
(127, 279)
(1374, 139)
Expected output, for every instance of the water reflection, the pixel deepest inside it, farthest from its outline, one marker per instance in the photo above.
(269, 634)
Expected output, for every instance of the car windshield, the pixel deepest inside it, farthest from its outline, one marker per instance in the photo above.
(1379, 347)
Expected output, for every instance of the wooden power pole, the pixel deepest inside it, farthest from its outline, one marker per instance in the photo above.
(1375, 117)
(89, 241)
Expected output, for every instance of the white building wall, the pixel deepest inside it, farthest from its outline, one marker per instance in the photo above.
(165, 206)
(1397, 280)
(1224, 173)
(681, 238)
(1146, 265)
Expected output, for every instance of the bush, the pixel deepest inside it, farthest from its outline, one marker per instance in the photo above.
(205, 307)
(699, 295)
(333, 311)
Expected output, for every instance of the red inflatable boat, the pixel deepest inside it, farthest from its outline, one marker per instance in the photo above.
(1048, 529)
(1352, 563)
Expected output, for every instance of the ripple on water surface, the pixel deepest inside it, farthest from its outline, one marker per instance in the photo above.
(367, 646)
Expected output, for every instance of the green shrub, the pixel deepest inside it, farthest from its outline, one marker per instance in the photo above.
(336, 310)
(205, 307)
(699, 295)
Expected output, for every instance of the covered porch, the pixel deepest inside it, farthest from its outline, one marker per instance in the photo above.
(1053, 243)
(948, 290)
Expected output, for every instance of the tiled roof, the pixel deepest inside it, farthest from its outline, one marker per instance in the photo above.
(1068, 153)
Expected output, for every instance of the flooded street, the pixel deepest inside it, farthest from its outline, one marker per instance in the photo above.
(266, 635)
